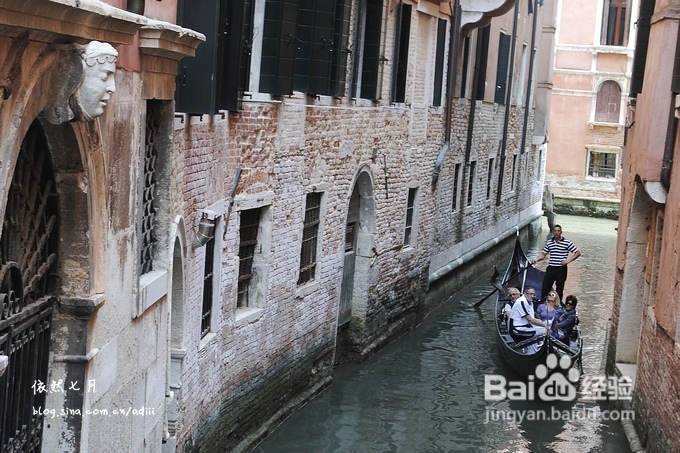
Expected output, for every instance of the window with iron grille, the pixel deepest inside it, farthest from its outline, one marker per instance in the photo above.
(456, 186)
(514, 172)
(410, 211)
(310, 238)
(153, 124)
(489, 179)
(615, 23)
(250, 225)
(471, 182)
(602, 165)
(206, 313)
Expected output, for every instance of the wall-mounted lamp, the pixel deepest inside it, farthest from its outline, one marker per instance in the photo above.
(206, 231)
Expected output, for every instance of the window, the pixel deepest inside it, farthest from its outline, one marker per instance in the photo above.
(608, 102)
(466, 67)
(206, 313)
(217, 76)
(471, 182)
(149, 190)
(439, 63)
(522, 76)
(480, 66)
(456, 186)
(514, 172)
(502, 68)
(250, 225)
(539, 163)
(367, 58)
(310, 234)
(410, 212)
(401, 42)
(601, 165)
(615, 23)
(305, 46)
(489, 179)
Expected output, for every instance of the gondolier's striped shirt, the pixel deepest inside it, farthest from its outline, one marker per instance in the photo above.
(558, 250)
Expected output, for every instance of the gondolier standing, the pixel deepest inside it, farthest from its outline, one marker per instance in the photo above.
(562, 252)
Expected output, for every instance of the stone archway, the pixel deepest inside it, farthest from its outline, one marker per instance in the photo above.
(359, 239)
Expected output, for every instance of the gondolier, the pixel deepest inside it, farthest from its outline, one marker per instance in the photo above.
(562, 252)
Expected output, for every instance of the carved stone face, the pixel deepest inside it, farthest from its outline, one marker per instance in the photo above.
(98, 85)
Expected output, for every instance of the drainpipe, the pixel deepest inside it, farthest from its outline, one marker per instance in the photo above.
(451, 80)
(669, 148)
(508, 99)
(530, 81)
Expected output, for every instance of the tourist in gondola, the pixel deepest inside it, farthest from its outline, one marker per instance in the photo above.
(551, 308)
(562, 252)
(567, 320)
(523, 324)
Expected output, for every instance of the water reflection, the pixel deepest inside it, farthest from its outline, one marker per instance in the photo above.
(425, 392)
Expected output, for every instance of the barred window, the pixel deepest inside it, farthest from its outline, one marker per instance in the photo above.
(456, 186)
(602, 165)
(471, 182)
(410, 210)
(153, 124)
(206, 313)
(250, 225)
(310, 238)
(489, 179)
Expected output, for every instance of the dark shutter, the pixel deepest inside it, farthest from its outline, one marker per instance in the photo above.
(466, 63)
(502, 72)
(368, 62)
(236, 34)
(340, 51)
(439, 63)
(483, 36)
(279, 45)
(197, 78)
(400, 61)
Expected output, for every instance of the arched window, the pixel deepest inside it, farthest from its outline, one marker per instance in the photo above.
(608, 102)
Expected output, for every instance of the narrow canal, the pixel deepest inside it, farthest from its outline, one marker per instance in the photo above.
(425, 391)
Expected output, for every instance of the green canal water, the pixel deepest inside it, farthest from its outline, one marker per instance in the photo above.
(425, 391)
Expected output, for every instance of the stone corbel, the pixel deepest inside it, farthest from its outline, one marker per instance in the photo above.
(166, 40)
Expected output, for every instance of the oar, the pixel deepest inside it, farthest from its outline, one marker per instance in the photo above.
(498, 287)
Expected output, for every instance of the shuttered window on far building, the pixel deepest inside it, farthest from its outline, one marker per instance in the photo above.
(608, 103)
(401, 45)
(250, 225)
(208, 280)
(310, 234)
(502, 71)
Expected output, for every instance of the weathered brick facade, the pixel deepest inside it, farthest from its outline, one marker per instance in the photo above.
(645, 333)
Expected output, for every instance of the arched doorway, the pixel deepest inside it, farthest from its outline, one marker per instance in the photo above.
(28, 256)
(359, 231)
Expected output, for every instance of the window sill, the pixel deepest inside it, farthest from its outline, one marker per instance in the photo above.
(601, 179)
(209, 338)
(306, 289)
(247, 315)
(153, 286)
(593, 124)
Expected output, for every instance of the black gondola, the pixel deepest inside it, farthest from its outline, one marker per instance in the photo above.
(520, 274)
